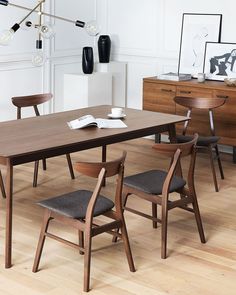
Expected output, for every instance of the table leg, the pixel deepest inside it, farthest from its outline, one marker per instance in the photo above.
(104, 158)
(172, 133)
(158, 138)
(104, 153)
(234, 154)
(8, 237)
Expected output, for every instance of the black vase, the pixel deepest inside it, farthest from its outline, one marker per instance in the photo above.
(104, 48)
(87, 60)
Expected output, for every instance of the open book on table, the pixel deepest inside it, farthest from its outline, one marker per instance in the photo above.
(89, 120)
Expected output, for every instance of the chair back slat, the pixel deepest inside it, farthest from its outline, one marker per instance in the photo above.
(93, 169)
(200, 102)
(31, 100)
(170, 149)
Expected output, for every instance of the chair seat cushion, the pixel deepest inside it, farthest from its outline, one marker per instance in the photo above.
(152, 181)
(75, 204)
(202, 140)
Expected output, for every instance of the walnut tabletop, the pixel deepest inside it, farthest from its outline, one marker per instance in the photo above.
(32, 139)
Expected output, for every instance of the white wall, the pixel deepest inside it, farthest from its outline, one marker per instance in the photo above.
(144, 33)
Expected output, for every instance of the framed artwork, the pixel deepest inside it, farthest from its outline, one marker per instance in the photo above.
(220, 61)
(197, 29)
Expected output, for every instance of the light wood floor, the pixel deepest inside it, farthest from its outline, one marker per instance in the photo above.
(191, 267)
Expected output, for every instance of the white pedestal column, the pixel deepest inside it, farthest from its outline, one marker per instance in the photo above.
(82, 90)
(118, 71)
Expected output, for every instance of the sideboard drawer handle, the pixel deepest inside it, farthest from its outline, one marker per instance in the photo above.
(185, 92)
(222, 96)
(166, 90)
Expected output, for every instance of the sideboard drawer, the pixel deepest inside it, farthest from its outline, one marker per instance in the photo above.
(225, 122)
(159, 97)
(224, 94)
(193, 91)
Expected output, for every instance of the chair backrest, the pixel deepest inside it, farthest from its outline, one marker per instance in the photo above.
(101, 170)
(169, 149)
(93, 169)
(30, 101)
(200, 103)
(176, 151)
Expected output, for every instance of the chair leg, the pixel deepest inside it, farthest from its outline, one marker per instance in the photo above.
(70, 166)
(81, 241)
(44, 164)
(125, 239)
(2, 186)
(41, 241)
(198, 218)
(154, 214)
(164, 220)
(213, 168)
(36, 169)
(125, 198)
(87, 260)
(219, 162)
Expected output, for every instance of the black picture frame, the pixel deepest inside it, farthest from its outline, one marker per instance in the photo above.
(220, 61)
(196, 30)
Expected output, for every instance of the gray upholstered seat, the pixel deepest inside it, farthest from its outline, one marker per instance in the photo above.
(152, 181)
(75, 204)
(202, 140)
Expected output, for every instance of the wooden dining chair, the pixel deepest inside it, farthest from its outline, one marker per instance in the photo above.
(207, 143)
(33, 101)
(156, 186)
(79, 208)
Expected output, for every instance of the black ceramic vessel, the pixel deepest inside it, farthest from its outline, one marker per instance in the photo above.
(87, 60)
(104, 48)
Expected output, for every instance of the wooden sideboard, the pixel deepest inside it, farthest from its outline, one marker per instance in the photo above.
(158, 96)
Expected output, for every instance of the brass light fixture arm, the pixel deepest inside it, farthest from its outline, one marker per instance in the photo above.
(43, 13)
(31, 10)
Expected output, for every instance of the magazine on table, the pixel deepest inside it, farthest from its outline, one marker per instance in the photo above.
(89, 120)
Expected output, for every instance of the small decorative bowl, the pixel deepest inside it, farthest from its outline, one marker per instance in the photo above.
(230, 82)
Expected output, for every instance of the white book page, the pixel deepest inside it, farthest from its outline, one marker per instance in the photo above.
(89, 120)
(106, 123)
(82, 122)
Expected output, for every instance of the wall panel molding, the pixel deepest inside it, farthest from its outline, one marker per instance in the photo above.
(132, 32)
(17, 81)
(58, 69)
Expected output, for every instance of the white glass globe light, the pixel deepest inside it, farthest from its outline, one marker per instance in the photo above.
(92, 28)
(38, 58)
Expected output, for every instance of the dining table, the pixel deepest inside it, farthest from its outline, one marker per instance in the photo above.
(35, 138)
